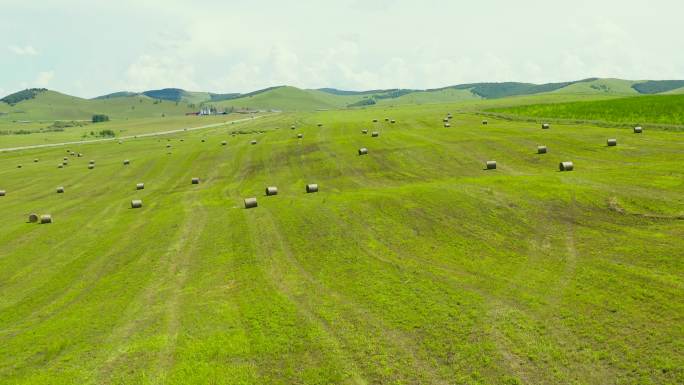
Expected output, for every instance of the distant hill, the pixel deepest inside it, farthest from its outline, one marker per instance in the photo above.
(658, 86)
(22, 95)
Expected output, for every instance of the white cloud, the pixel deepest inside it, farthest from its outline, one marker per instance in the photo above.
(150, 71)
(27, 50)
(43, 79)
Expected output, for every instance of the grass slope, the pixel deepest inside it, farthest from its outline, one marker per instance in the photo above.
(603, 86)
(289, 99)
(658, 109)
(411, 265)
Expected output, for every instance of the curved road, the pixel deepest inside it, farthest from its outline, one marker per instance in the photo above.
(129, 136)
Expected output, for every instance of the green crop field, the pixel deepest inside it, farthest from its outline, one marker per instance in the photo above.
(411, 265)
(657, 109)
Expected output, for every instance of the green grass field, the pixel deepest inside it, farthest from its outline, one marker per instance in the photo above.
(658, 109)
(411, 265)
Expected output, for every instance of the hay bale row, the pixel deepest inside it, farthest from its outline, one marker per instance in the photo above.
(566, 166)
(136, 203)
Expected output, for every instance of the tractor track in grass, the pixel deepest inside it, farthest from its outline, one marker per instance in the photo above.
(149, 134)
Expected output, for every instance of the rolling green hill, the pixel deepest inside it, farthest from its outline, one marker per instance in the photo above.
(411, 265)
(657, 109)
(607, 86)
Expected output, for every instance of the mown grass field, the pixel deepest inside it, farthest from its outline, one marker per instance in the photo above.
(657, 109)
(412, 264)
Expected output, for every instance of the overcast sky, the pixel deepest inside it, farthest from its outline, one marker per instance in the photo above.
(89, 48)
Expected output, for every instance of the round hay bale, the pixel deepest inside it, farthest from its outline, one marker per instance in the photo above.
(375, 120)
(292, 127)
(638, 130)
(393, 121)
(120, 142)
(364, 131)
(203, 140)
(311, 188)
(19, 166)
(65, 163)
(611, 142)
(250, 203)
(140, 186)
(195, 181)
(45, 219)
(65, 158)
(35, 160)
(300, 136)
(363, 151)
(387, 119)
(447, 125)
(136, 203)
(445, 120)
(223, 143)
(320, 124)
(375, 134)
(80, 155)
(91, 162)
(73, 154)
(60, 190)
(541, 149)
(566, 166)
(60, 166)
(126, 162)
(271, 190)
(91, 166)
(253, 141)
(168, 146)
(484, 122)
(490, 165)
(545, 126)
(33, 218)
(3, 193)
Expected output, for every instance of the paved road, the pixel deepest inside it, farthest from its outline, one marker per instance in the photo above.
(129, 136)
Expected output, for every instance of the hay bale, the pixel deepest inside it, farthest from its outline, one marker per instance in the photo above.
(60, 190)
(541, 149)
(490, 165)
(60, 166)
(19, 166)
(387, 119)
(126, 162)
(65, 163)
(363, 151)
(445, 120)
(611, 142)
(484, 122)
(253, 141)
(33, 218)
(545, 126)
(91, 162)
(182, 140)
(364, 132)
(140, 186)
(292, 127)
(300, 136)
(91, 166)
(120, 142)
(45, 219)
(566, 166)
(168, 146)
(80, 155)
(271, 190)
(311, 188)
(250, 203)
(2, 193)
(65, 158)
(638, 130)
(320, 124)
(375, 120)
(375, 134)
(393, 121)
(195, 181)
(136, 203)
(447, 125)
(203, 140)
(35, 160)
(223, 143)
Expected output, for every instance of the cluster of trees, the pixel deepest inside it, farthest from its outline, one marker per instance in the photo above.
(97, 118)
(22, 95)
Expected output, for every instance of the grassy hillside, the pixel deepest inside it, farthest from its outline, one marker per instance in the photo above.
(658, 86)
(659, 109)
(51, 105)
(411, 265)
(604, 86)
(290, 99)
